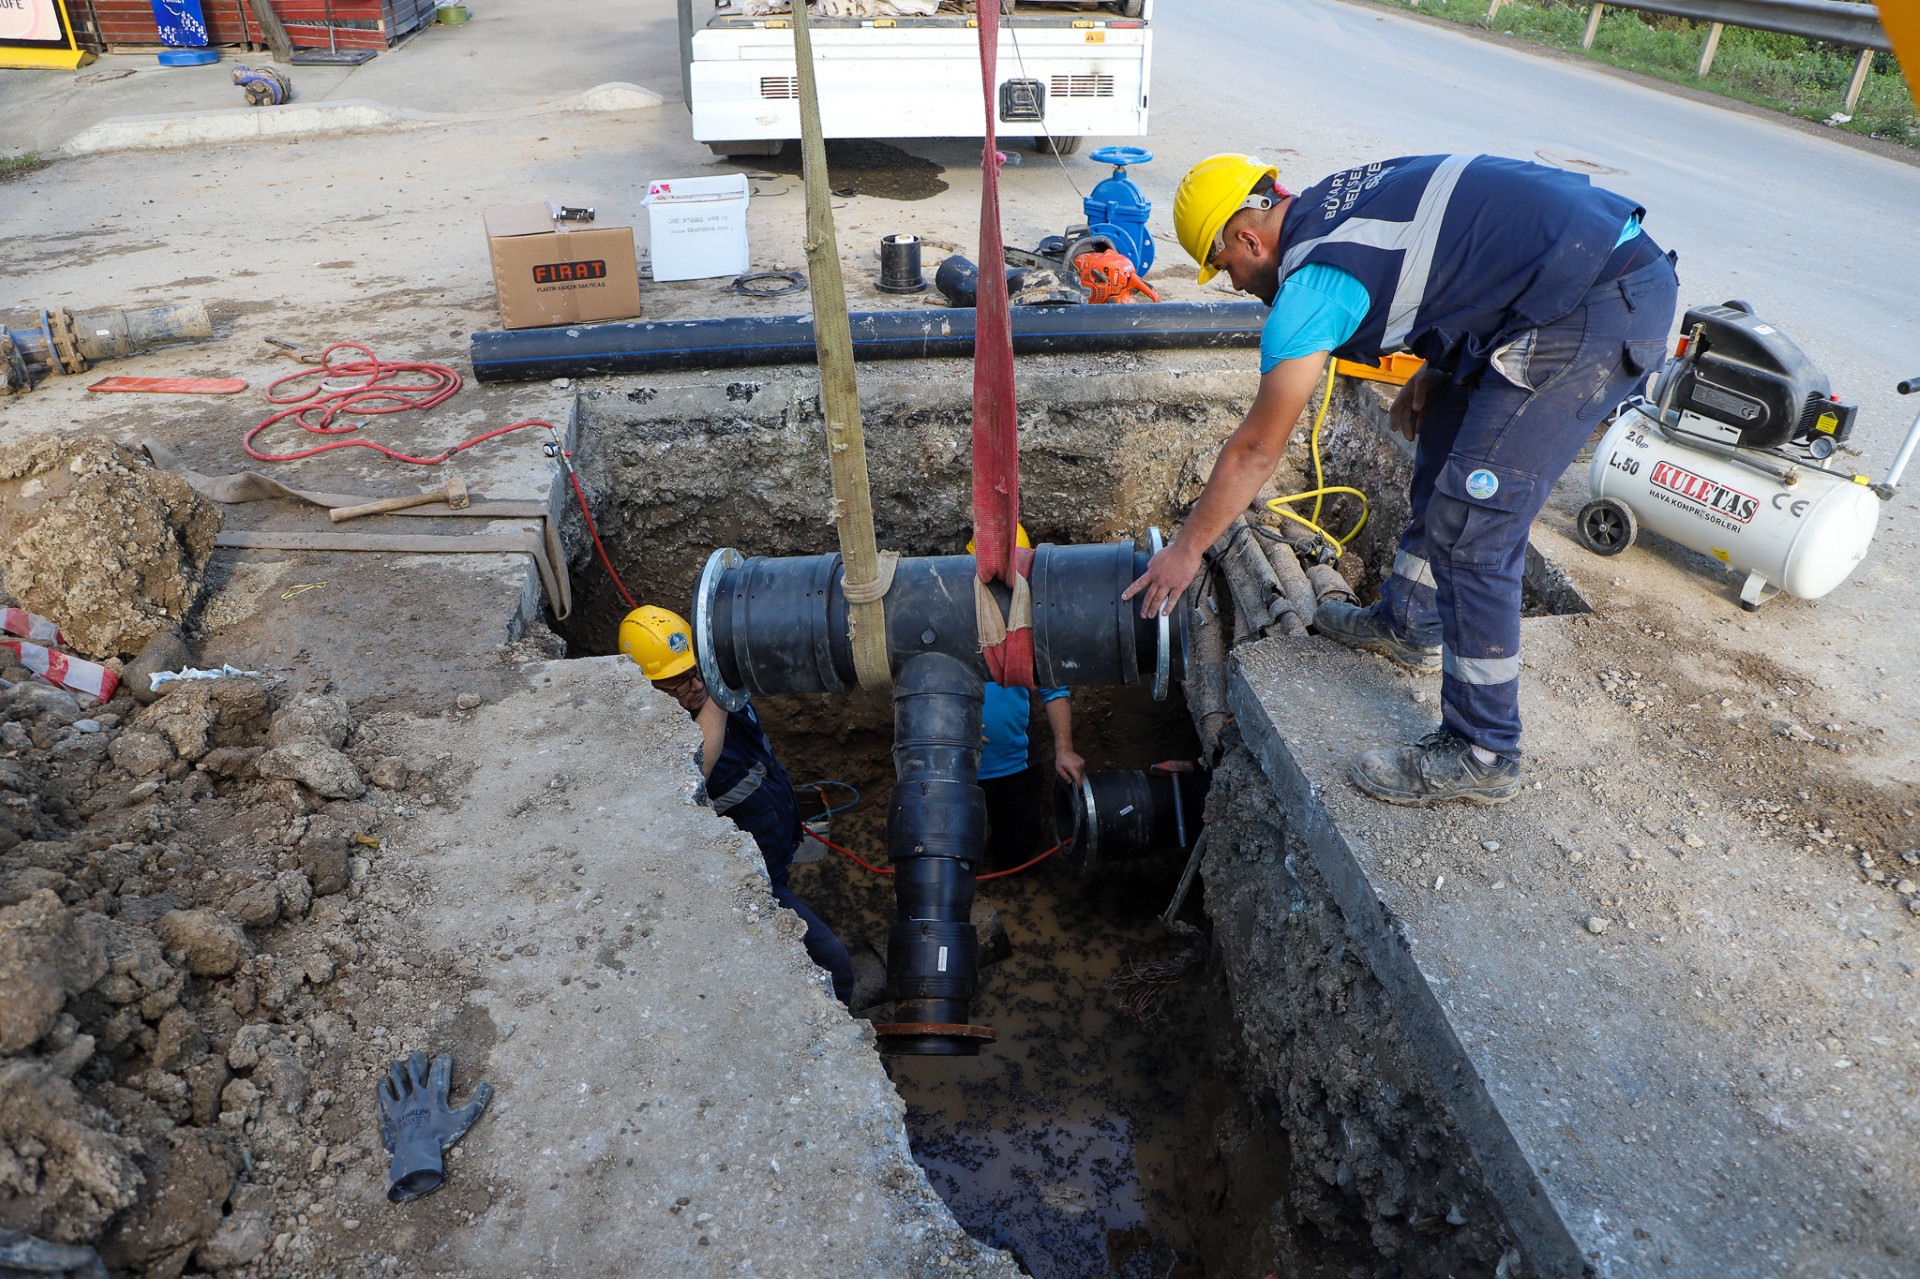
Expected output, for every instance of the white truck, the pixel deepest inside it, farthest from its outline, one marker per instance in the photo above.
(1068, 69)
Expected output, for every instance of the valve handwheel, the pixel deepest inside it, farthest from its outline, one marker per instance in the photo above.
(1120, 155)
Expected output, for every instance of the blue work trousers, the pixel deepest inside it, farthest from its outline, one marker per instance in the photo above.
(776, 828)
(1488, 453)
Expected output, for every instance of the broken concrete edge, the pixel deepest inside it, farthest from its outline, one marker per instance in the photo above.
(349, 115)
(1544, 1236)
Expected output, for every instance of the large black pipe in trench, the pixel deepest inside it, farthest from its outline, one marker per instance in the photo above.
(936, 830)
(653, 346)
(782, 626)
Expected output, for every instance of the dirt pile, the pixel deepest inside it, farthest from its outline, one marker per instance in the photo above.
(174, 909)
(99, 540)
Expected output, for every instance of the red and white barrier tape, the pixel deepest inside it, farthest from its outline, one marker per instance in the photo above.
(17, 621)
(75, 674)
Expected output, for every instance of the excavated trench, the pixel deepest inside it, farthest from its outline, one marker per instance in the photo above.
(1236, 1102)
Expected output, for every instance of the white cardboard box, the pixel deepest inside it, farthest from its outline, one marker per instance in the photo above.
(699, 226)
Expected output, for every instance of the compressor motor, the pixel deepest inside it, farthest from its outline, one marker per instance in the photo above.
(1732, 456)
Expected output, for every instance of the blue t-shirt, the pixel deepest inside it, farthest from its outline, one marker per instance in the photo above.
(1003, 723)
(1319, 307)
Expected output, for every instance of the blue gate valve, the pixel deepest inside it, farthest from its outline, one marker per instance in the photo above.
(1117, 210)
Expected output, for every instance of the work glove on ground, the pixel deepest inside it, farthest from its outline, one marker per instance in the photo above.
(418, 1125)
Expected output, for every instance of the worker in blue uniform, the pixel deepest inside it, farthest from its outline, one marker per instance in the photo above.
(1015, 786)
(744, 779)
(1536, 301)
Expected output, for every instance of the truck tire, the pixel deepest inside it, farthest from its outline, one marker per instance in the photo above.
(746, 147)
(1064, 145)
(1128, 8)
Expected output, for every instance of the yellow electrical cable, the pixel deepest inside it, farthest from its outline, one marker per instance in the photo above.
(1321, 489)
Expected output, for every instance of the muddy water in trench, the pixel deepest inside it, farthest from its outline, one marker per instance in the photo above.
(1062, 1141)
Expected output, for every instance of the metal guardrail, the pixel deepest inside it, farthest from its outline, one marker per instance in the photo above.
(1835, 21)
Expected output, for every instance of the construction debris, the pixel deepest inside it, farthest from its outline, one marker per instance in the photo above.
(93, 534)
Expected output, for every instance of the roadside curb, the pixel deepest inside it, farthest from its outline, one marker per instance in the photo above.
(349, 115)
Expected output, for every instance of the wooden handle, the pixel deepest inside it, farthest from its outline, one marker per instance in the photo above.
(339, 513)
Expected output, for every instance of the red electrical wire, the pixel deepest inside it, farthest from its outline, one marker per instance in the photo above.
(998, 874)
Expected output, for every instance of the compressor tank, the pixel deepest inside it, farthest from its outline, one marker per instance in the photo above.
(1803, 538)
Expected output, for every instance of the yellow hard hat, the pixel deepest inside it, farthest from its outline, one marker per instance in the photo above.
(1020, 539)
(1212, 192)
(658, 640)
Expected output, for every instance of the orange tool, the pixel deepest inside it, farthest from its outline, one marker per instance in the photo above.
(1108, 276)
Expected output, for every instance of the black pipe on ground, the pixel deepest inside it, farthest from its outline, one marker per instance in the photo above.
(936, 831)
(642, 346)
(1117, 815)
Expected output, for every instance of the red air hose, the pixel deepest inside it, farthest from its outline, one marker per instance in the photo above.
(377, 392)
(879, 870)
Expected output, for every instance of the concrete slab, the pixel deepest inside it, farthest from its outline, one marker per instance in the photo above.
(678, 1091)
(1685, 1030)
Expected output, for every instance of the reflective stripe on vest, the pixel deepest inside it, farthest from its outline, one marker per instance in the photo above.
(741, 789)
(1418, 238)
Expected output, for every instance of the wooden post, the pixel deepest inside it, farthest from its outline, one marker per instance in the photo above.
(1593, 26)
(1713, 47)
(270, 28)
(1860, 70)
(1493, 10)
(839, 392)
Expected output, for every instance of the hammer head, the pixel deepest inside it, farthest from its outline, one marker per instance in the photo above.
(457, 493)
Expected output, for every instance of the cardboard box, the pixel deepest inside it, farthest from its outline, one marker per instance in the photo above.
(698, 226)
(547, 271)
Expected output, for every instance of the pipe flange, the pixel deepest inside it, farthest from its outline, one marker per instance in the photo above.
(63, 340)
(1090, 854)
(1163, 645)
(722, 561)
(946, 1030)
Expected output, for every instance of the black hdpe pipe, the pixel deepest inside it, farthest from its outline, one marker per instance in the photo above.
(640, 346)
(1120, 814)
(958, 280)
(936, 830)
(782, 625)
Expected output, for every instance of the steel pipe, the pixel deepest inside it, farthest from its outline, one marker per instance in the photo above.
(640, 346)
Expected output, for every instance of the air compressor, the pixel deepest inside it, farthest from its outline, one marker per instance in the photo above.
(1731, 454)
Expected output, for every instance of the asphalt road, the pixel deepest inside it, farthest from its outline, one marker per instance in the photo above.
(1817, 234)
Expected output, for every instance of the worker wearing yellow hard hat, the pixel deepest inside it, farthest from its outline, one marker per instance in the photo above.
(744, 778)
(1537, 302)
(1015, 787)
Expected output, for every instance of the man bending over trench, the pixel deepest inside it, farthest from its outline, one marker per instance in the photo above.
(1536, 302)
(745, 780)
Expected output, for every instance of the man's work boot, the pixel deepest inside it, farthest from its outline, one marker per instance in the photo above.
(1437, 768)
(1364, 628)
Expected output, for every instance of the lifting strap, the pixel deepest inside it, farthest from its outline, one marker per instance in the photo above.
(996, 442)
(861, 576)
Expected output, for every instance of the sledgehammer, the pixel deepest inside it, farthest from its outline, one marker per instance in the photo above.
(454, 495)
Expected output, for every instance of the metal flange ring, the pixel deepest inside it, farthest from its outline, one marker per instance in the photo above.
(948, 1030)
(62, 340)
(722, 561)
(1163, 649)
